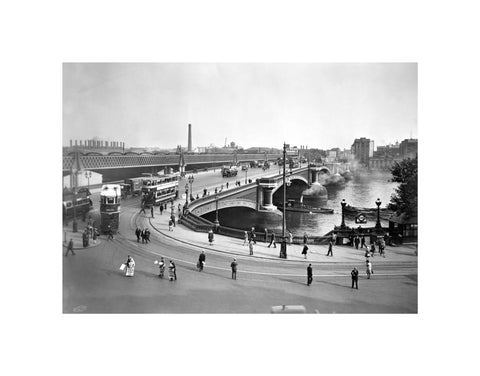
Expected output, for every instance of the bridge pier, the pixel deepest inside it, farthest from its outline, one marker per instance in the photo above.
(266, 198)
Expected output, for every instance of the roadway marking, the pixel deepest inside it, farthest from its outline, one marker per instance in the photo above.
(135, 216)
(268, 273)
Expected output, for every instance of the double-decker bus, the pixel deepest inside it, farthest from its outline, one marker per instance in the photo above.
(76, 204)
(110, 197)
(159, 189)
(135, 185)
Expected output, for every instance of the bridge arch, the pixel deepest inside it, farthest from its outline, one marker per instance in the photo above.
(292, 178)
(210, 206)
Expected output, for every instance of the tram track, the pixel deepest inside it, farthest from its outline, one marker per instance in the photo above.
(296, 267)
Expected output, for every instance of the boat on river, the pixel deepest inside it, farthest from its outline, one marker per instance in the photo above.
(302, 208)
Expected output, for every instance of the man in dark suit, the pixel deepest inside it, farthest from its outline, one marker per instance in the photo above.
(354, 274)
(309, 275)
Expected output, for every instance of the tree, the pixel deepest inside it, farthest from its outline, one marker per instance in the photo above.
(405, 198)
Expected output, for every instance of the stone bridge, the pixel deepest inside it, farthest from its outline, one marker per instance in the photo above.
(258, 195)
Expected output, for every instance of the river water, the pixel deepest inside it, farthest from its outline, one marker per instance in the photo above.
(361, 191)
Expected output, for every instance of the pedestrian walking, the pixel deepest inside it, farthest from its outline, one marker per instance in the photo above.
(172, 275)
(369, 268)
(161, 267)
(110, 233)
(201, 261)
(138, 232)
(372, 249)
(330, 249)
(272, 240)
(290, 238)
(250, 247)
(94, 236)
(173, 220)
(142, 210)
(309, 274)
(85, 238)
(253, 235)
(161, 209)
(245, 238)
(227, 184)
(70, 247)
(142, 235)
(362, 244)
(233, 265)
(170, 225)
(367, 254)
(130, 267)
(304, 251)
(151, 211)
(354, 274)
(210, 237)
(357, 242)
(147, 235)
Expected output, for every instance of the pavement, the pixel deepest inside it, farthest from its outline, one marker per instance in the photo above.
(235, 246)
(67, 234)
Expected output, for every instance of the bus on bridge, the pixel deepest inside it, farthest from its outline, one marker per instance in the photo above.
(159, 189)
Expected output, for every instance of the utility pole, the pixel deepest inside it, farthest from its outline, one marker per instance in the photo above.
(283, 245)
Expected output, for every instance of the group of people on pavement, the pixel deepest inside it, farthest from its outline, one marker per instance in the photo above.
(143, 234)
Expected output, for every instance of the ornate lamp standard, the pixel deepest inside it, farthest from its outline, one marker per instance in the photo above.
(378, 224)
(88, 175)
(217, 223)
(343, 203)
(186, 194)
(283, 245)
(74, 174)
(191, 180)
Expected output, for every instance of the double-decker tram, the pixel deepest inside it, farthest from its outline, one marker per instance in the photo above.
(110, 196)
(159, 189)
(76, 204)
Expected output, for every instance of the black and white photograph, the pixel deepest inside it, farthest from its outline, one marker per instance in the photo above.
(240, 188)
(248, 188)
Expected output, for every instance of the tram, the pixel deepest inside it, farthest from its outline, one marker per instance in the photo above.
(110, 197)
(159, 189)
(76, 204)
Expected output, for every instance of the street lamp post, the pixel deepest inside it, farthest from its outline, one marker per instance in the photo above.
(343, 203)
(186, 194)
(217, 222)
(74, 174)
(88, 175)
(191, 180)
(283, 245)
(246, 170)
(172, 210)
(378, 224)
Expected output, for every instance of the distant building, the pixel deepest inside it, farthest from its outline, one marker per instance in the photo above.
(345, 155)
(94, 145)
(409, 148)
(362, 149)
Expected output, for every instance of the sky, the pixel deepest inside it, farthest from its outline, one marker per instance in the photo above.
(319, 105)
